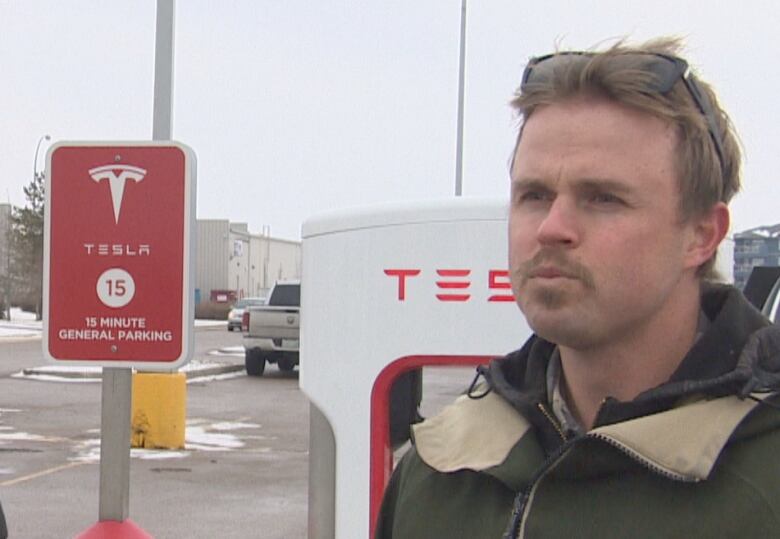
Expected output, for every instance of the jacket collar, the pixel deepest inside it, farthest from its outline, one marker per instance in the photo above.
(483, 435)
(715, 366)
(679, 427)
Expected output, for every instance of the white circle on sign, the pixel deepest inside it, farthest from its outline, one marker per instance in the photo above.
(115, 287)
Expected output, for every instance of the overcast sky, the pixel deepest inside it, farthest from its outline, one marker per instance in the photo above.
(294, 107)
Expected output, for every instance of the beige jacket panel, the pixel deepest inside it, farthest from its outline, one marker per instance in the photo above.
(684, 441)
(456, 438)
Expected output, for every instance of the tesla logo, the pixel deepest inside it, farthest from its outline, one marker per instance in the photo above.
(117, 181)
(454, 285)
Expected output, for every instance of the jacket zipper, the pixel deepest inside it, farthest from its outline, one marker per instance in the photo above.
(644, 461)
(553, 420)
(523, 500)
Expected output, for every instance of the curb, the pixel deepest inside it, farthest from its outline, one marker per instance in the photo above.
(212, 371)
(78, 374)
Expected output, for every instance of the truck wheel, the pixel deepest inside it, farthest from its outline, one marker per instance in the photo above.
(286, 364)
(254, 362)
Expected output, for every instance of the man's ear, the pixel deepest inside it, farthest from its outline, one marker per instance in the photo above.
(709, 230)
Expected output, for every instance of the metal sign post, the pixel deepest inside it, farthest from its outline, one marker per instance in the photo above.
(115, 444)
(118, 283)
(118, 286)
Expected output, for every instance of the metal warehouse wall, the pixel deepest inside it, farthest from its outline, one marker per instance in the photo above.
(284, 261)
(211, 268)
(230, 257)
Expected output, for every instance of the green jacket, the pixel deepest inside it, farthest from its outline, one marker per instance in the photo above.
(698, 456)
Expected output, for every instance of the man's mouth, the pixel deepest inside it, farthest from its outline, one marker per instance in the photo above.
(548, 272)
(553, 268)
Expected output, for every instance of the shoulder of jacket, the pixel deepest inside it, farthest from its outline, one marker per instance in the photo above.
(473, 434)
(684, 441)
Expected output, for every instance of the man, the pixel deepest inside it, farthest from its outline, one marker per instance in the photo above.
(645, 403)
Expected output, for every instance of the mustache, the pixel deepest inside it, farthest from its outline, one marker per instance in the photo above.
(568, 268)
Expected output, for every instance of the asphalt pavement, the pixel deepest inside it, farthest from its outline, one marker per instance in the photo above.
(243, 471)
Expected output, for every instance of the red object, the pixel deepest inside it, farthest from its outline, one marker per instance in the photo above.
(116, 219)
(381, 452)
(402, 274)
(499, 280)
(448, 285)
(112, 529)
(223, 296)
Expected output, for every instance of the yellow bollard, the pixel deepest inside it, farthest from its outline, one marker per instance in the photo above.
(159, 410)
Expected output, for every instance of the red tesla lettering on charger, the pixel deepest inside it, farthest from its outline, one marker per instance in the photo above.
(456, 285)
(402, 274)
(499, 280)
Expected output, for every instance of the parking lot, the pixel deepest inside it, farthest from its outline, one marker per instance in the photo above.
(243, 473)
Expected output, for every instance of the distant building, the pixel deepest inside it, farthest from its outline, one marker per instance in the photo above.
(724, 262)
(758, 246)
(232, 262)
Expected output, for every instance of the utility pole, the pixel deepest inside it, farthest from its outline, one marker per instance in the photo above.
(461, 85)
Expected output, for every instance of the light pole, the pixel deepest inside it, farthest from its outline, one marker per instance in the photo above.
(35, 160)
(461, 84)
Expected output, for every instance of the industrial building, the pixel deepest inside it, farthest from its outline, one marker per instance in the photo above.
(724, 261)
(758, 246)
(232, 262)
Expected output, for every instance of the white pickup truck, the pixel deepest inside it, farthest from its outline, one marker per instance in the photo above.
(272, 330)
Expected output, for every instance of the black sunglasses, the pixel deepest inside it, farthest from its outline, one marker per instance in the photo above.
(666, 71)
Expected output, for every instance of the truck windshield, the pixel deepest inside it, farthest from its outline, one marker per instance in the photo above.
(286, 294)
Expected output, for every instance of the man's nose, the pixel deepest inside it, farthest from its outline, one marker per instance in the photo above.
(559, 226)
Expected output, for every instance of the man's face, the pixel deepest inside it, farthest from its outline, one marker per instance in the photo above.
(596, 243)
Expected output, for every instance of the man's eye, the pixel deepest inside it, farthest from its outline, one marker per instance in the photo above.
(605, 198)
(532, 196)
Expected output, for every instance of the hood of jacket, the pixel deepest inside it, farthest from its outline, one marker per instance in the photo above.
(738, 354)
(719, 383)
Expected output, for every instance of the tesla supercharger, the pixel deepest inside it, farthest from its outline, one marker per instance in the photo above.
(387, 289)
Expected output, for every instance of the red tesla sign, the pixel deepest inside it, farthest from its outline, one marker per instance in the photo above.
(117, 279)
(454, 284)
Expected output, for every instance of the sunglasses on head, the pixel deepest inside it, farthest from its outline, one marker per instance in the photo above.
(666, 71)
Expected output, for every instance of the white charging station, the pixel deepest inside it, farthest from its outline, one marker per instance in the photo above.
(387, 289)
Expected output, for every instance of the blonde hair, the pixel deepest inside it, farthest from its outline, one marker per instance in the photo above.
(705, 177)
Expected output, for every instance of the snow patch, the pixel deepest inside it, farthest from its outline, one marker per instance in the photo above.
(26, 436)
(53, 378)
(228, 351)
(199, 438)
(227, 425)
(157, 454)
